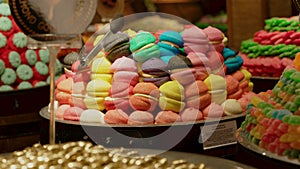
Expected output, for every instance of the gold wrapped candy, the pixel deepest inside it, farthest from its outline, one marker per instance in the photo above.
(85, 155)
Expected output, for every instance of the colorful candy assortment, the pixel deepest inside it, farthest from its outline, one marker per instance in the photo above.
(162, 77)
(20, 67)
(272, 121)
(271, 50)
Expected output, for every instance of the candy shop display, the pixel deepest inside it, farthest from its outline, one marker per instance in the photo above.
(142, 78)
(20, 67)
(273, 48)
(272, 121)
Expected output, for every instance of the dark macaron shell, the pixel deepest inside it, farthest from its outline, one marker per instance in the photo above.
(179, 61)
(155, 66)
(113, 40)
(141, 39)
(158, 81)
(119, 52)
(172, 36)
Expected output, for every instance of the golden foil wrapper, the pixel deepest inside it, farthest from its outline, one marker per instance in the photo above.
(85, 155)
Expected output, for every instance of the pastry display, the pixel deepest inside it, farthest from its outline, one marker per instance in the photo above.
(22, 68)
(161, 77)
(272, 121)
(271, 50)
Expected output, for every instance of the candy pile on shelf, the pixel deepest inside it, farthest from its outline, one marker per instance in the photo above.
(74, 155)
(142, 78)
(272, 49)
(273, 117)
(20, 67)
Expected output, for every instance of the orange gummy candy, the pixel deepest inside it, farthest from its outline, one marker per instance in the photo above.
(297, 61)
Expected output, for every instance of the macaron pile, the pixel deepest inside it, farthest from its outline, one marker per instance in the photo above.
(156, 78)
(271, 50)
(272, 121)
(20, 67)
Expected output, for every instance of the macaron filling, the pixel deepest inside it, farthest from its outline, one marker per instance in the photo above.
(146, 96)
(170, 44)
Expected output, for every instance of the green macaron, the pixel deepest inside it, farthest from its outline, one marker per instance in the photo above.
(143, 47)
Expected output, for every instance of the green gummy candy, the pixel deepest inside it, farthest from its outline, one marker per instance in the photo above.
(297, 91)
(297, 100)
(287, 152)
(294, 120)
(297, 85)
(255, 141)
(291, 90)
(288, 105)
(286, 119)
(266, 110)
(276, 90)
(283, 102)
(287, 73)
(294, 153)
(293, 107)
(263, 105)
(295, 76)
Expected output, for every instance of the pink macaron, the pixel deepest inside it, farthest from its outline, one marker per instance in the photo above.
(61, 111)
(213, 111)
(191, 114)
(73, 113)
(116, 116)
(140, 118)
(167, 117)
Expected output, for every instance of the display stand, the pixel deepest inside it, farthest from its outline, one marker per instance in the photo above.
(255, 156)
(132, 136)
